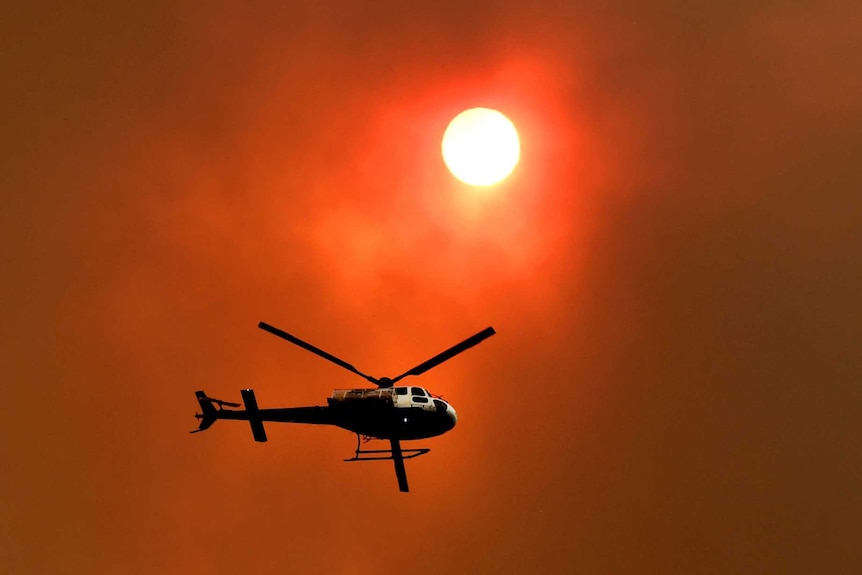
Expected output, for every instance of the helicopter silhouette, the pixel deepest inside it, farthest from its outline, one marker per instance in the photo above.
(387, 412)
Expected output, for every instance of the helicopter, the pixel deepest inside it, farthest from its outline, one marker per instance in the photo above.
(386, 412)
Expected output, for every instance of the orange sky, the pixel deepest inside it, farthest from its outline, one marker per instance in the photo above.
(673, 271)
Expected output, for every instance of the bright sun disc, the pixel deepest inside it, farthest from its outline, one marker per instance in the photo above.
(481, 147)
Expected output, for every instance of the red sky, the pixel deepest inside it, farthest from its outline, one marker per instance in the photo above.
(673, 271)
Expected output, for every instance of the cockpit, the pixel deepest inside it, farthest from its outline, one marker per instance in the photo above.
(418, 395)
(407, 398)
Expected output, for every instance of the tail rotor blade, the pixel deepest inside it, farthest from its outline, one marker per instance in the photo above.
(317, 351)
(448, 354)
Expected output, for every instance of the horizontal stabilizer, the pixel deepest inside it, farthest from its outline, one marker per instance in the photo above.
(254, 420)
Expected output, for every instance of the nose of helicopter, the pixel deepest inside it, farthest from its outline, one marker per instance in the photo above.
(453, 417)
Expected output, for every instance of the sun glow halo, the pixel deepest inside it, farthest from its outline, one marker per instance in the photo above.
(481, 147)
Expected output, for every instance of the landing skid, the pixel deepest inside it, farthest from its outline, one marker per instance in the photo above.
(396, 454)
(377, 454)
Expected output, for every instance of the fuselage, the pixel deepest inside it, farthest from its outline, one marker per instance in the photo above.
(385, 413)
(391, 413)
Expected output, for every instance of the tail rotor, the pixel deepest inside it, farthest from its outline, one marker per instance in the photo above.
(210, 413)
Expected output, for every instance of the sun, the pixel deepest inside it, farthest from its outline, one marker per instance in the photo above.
(481, 147)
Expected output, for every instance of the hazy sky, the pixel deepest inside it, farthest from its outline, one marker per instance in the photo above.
(674, 272)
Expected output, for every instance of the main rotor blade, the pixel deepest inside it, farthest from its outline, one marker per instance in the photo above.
(315, 350)
(449, 353)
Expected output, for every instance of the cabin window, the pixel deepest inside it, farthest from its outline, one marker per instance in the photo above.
(418, 399)
(401, 391)
(418, 391)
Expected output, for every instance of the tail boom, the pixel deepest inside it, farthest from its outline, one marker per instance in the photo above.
(255, 416)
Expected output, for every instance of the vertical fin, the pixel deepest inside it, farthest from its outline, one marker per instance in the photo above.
(209, 415)
(400, 472)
